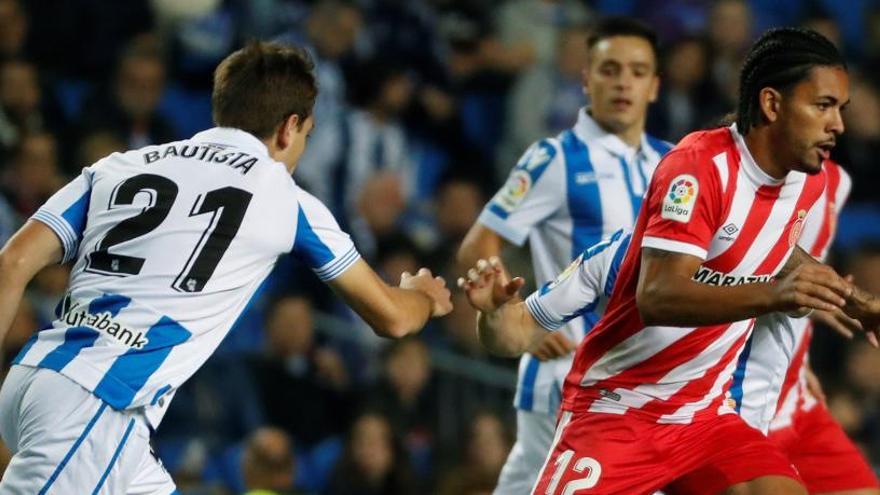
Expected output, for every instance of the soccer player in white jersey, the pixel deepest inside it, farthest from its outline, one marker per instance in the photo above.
(643, 404)
(170, 243)
(565, 194)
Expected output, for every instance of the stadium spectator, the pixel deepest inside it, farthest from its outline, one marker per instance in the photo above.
(13, 29)
(268, 463)
(34, 175)
(294, 367)
(130, 107)
(374, 461)
(545, 99)
(20, 97)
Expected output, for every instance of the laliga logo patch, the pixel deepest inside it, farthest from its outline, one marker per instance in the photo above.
(678, 204)
(566, 273)
(514, 190)
(797, 228)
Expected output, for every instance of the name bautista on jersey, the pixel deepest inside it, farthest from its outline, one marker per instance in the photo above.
(711, 277)
(79, 316)
(211, 153)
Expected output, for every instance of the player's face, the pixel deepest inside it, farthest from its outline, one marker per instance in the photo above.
(621, 80)
(811, 116)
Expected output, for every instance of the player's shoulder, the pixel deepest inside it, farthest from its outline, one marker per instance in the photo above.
(660, 146)
(540, 154)
(697, 153)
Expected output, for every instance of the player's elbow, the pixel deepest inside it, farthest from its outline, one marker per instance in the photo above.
(13, 265)
(392, 327)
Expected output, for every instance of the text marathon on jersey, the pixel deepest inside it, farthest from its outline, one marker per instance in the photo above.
(239, 160)
(79, 316)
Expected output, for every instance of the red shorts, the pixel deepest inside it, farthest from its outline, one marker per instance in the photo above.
(609, 454)
(824, 456)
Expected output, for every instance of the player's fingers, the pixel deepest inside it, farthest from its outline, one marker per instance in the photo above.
(461, 283)
(472, 275)
(424, 271)
(835, 323)
(872, 338)
(482, 265)
(405, 275)
(822, 292)
(514, 286)
(825, 276)
(809, 301)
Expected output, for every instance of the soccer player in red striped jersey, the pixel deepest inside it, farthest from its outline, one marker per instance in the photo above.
(644, 403)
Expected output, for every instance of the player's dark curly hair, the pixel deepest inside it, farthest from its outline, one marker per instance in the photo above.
(780, 59)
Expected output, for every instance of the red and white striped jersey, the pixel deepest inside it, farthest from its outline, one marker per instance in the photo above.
(816, 239)
(708, 198)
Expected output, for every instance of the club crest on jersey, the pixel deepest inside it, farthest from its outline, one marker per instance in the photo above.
(796, 229)
(679, 202)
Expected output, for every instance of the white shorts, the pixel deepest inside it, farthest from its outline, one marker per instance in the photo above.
(534, 436)
(67, 441)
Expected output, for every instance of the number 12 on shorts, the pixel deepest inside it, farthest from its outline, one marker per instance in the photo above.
(584, 464)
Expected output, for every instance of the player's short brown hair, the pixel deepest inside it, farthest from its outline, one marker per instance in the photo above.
(259, 86)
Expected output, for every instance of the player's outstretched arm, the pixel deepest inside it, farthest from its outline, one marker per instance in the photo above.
(393, 311)
(504, 326)
(31, 249)
(667, 294)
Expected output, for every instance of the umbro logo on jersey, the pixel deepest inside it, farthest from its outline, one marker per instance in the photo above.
(103, 322)
(728, 230)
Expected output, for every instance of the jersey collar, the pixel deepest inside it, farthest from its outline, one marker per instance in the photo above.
(748, 164)
(232, 136)
(588, 131)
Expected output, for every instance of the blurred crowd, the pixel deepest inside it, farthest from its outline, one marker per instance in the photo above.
(424, 107)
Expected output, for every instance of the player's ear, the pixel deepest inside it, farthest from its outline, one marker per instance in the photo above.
(286, 131)
(770, 101)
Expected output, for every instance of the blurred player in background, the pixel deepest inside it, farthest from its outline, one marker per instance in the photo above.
(565, 194)
(170, 243)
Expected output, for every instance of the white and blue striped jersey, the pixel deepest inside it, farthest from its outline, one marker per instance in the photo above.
(170, 243)
(565, 194)
(584, 287)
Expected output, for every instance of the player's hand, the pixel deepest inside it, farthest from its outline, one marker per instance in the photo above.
(553, 345)
(838, 321)
(488, 286)
(810, 286)
(433, 287)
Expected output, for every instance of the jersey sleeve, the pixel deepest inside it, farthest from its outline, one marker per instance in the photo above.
(684, 205)
(534, 190)
(319, 242)
(580, 288)
(66, 212)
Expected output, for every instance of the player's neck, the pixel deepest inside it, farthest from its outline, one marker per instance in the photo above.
(760, 144)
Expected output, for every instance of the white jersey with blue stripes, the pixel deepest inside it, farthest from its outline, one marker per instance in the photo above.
(584, 287)
(566, 194)
(170, 243)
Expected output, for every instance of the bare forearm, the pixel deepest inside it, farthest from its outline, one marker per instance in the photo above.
(508, 331)
(10, 297)
(688, 303)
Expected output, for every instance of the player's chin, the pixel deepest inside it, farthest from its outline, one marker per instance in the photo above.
(811, 165)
